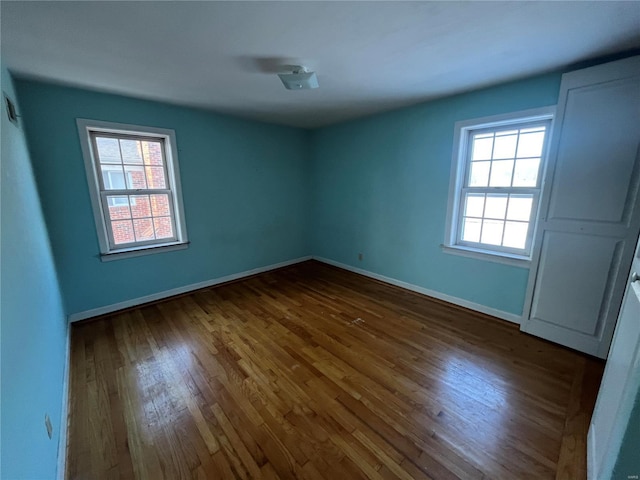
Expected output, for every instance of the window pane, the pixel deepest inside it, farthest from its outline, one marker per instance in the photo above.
(112, 177)
(471, 230)
(108, 150)
(520, 208)
(482, 147)
(474, 205)
(118, 207)
(505, 146)
(155, 177)
(152, 152)
(492, 232)
(530, 144)
(526, 174)
(496, 206)
(140, 206)
(160, 205)
(515, 234)
(144, 229)
(135, 177)
(163, 227)
(501, 173)
(131, 152)
(479, 176)
(122, 232)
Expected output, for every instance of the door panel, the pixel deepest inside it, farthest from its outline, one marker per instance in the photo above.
(620, 383)
(590, 217)
(571, 264)
(601, 127)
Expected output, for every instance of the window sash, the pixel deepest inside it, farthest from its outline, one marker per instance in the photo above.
(104, 192)
(506, 191)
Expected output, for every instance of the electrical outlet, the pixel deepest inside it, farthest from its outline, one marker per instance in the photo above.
(360, 256)
(47, 423)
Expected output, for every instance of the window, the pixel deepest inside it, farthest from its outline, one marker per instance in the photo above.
(497, 173)
(135, 188)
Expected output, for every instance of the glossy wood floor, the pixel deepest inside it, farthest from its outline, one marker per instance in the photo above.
(313, 372)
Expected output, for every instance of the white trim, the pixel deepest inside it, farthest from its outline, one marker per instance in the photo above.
(140, 251)
(459, 168)
(591, 453)
(64, 413)
(74, 317)
(510, 317)
(491, 256)
(170, 149)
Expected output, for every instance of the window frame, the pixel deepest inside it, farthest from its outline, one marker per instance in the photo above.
(108, 250)
(460, 165)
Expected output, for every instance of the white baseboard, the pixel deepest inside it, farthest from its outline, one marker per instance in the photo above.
(64, 413)
(74, 317)
(510, 317)
(591, 453)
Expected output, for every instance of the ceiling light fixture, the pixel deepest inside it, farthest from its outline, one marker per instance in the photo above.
(299, 79)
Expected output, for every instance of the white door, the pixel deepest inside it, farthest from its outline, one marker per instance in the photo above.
(590, 216)
(620, 383)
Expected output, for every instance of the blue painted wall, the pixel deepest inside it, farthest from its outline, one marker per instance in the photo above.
(33, 329)
(380, 187)
(244, 186)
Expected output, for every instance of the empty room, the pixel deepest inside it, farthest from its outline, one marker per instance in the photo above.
(320, 240)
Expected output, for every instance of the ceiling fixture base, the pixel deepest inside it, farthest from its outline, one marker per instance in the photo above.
(299, 79)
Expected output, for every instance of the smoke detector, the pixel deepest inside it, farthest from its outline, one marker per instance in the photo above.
(299, 79)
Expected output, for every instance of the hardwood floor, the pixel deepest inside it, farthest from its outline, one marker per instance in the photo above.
(313, 372)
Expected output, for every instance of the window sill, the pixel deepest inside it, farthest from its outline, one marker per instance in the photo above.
(140, 251)
(488, 255)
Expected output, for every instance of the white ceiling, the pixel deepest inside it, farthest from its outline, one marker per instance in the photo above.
(369, 56)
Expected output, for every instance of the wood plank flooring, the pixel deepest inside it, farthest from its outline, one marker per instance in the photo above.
(316, 373)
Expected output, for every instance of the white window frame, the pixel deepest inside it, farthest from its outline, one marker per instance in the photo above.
(459, 168)
(108, 251)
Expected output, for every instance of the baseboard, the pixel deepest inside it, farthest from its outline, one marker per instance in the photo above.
(510, 317)
(75, 317)
(591, 454)
(64, 413)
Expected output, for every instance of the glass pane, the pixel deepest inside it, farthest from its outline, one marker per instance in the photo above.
(135, 177)
(112, 177)
(118, 207)
(520, 208)
(496, 206)
(471, 230)
(152, 152)
(163, 227)
(122, 231)
(482, 147)
(492, 232)
(108, 150)
(144, 229)
(530, 144)
(479, 176)
(501, 173)
(155, 177)
(505, 146)
(474, 205)
(526, 174)
(515, 234)
(160, 205)
(140, 206)
(131, 151)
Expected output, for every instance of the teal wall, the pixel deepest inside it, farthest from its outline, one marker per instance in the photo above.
(244, 187)
(33, 329)
(380, 188)
(628, 462)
